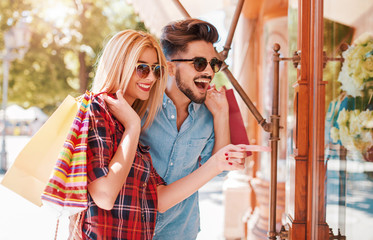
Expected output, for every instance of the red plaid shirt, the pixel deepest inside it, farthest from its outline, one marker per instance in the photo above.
(134, 213)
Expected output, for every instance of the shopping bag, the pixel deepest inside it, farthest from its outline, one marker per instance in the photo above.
(30, 171)
(66, 190)
(236, 125)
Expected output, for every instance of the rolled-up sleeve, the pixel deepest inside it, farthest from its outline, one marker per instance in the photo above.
(207, 151)
(158, 179)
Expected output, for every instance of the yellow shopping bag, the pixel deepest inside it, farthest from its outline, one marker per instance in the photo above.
(32, 168)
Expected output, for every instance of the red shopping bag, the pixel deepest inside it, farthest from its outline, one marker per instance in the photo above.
(237, 127)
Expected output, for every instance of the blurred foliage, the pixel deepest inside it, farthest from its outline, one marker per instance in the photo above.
(67, 37)
(220, 80)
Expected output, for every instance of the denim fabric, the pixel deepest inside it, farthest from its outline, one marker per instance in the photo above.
(175, 154)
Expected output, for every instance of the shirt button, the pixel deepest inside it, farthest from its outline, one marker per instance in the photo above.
(172, 116)
(144, 184)
(172, 164)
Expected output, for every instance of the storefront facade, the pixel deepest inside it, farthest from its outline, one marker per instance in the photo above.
(325, 148)
(324, 178)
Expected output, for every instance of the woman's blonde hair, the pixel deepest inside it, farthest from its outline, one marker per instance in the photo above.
(117, 64)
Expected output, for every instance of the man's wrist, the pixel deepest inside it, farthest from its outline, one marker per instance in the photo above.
(221, 117)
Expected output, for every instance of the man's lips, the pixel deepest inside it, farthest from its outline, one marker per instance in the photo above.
(202, 80)
(203, 77)
(202, 83)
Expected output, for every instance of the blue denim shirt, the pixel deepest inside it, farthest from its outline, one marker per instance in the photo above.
(175, 154)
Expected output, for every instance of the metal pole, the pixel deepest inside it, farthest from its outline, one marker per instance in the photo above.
(182, 9)
(224, 54)
(262, 122)
(3, 166)
(274, 138)
(232, 29)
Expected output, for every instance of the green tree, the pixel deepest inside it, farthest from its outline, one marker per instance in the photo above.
(67, 37)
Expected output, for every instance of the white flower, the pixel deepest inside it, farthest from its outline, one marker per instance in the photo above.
(357, 68)
(343, 117)
(355, 123)
(334, 134)
(366, 118)
(367, 137)
(355, 126)
(364, 38)
(346, 139)
(349, 85)
(355, 129)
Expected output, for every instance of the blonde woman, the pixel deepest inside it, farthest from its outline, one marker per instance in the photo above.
(124, 190)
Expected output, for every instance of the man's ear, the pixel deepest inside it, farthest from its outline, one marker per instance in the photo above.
(171, 68)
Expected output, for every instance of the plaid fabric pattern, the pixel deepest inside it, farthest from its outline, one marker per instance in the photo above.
(134, 213)
(66, 190)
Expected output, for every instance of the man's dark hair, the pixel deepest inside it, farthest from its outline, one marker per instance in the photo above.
(176, 35)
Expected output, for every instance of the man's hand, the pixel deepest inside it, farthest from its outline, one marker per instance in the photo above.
(216, 101)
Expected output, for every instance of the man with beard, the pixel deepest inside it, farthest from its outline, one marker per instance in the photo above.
(193, 122)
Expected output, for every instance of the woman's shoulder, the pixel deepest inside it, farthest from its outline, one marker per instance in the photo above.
(100, 111)
(99, 107)
(98, 101)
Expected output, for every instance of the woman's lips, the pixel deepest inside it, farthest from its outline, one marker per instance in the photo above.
(144, 87)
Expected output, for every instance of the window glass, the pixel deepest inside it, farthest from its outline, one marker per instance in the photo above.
(349, 117)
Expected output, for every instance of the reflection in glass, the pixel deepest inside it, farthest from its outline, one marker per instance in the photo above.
(291, 117)
(349, 118)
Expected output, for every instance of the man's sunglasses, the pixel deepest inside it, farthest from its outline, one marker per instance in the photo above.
(200, 63)
(143, 70)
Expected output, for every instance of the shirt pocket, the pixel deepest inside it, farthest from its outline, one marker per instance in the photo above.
(194, 150)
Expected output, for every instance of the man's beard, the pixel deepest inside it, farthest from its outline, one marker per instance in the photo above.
(188, 91)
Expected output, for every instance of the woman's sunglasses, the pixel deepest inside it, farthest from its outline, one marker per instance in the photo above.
(143, 70)
(200, 63)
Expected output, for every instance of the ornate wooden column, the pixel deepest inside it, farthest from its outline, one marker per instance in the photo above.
(306, 194)
(297, 193)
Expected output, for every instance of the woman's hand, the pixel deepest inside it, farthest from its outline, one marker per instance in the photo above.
(122, 110)
(232, 157)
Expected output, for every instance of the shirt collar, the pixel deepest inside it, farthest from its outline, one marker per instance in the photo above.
(192, 108)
